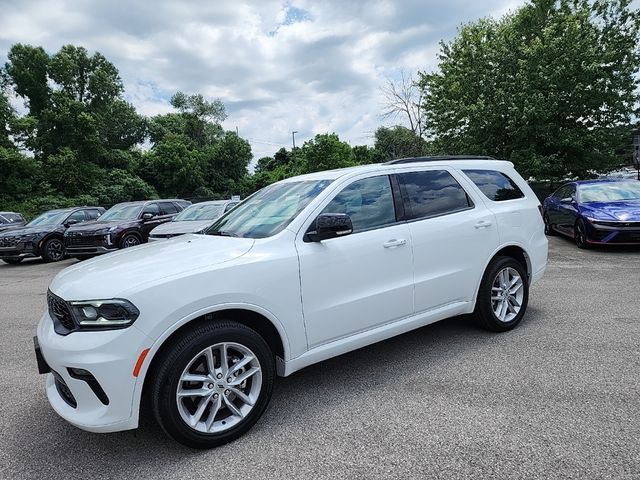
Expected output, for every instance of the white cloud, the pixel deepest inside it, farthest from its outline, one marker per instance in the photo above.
(279, 66)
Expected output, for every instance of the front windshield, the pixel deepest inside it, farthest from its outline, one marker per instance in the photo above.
(610, 192)
(10, 218)
(209, 211)
(121, 212)
(54, 217)
(268, 211)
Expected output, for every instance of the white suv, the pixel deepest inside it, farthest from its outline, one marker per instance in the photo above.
(303, 270)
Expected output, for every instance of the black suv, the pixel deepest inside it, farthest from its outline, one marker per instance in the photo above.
(123, 225)
(11, 220)
(44, 235)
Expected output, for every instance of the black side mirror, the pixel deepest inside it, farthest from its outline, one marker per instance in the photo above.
(330, 225)
(71, 221)
(147, 216)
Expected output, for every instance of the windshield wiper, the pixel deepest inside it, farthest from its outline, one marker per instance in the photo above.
(223, 233)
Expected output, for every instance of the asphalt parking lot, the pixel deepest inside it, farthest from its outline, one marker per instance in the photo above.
(556, 398)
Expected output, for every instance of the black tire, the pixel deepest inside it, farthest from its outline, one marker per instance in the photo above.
(53, 250)
(130, 240)
(12, 261)
(176, 357)
(483, 311)
(580, 234)
(548, 229)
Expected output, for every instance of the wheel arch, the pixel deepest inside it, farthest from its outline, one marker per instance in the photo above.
(514, 251)
(248, 315)
(129, 231)
(47, 237)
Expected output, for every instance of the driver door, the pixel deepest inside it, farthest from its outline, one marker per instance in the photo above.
(362, 280)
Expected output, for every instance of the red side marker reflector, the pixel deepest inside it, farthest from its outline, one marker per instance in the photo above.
(143, 355)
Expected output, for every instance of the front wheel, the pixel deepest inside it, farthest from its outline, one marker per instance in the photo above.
(212, 384)
(580, 234)
(503, 296)
(548, 229)
(53, 250)
(130, 240)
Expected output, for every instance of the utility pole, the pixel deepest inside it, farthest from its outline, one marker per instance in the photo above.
(237, 131)
(293, 136)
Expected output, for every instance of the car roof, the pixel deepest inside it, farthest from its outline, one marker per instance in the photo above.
(603, 180)
(464, 162)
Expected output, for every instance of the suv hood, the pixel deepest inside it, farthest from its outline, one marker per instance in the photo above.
(29, 230)
(628, 210)
(96, 225)
(177, 228)
(109, 276)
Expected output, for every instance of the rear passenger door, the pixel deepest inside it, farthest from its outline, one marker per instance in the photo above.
(452, 235)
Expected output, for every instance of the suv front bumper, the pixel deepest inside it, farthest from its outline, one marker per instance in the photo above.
(109, 357)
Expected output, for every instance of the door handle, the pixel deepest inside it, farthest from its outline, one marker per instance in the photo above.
(394, 243)
(483, 224)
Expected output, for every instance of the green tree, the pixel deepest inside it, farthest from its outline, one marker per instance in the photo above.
(18, 174)
(325, 152)
(27, 69)
(398, 142)
(552, 87)
(7, 116)
(173, 167)
(227, 162)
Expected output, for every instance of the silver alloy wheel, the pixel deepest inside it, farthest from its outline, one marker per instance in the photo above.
(55, 250)
(130, 241)
(507, 293)
(219, 387)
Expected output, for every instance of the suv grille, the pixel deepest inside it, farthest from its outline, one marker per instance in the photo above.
(8, 241)
(80, 241)
(59, 310)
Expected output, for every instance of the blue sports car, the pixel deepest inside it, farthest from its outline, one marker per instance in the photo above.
(595, 212)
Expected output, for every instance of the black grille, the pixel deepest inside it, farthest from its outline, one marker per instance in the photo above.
(59, 310)
(77, 241)
(8, 242)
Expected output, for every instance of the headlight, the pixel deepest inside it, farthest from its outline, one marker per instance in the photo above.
(104, 314)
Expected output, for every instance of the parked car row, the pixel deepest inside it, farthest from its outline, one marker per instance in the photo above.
(87, 231)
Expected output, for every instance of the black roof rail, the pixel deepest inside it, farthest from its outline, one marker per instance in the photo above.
(437, 158)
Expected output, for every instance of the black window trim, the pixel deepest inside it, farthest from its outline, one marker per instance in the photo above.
(398, 203)
(524, 196)
(407, 206)
(389, 175)
(81, 210)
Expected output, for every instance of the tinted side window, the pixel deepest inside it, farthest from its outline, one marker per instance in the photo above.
(77, 216)
(495, 185)
(431, 193)
(168, 208)
(92, 214)
(369, 203)
(151, 208)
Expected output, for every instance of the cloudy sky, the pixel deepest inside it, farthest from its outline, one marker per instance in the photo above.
(278, 66)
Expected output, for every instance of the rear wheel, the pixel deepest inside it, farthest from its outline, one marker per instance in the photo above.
(53, 250)
(212, 384)
(503, 296)
(12, 261)
(580, 234)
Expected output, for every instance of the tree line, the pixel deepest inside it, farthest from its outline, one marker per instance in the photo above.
(552, 86)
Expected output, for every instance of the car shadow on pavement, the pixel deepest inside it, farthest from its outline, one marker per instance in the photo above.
(57, 449)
